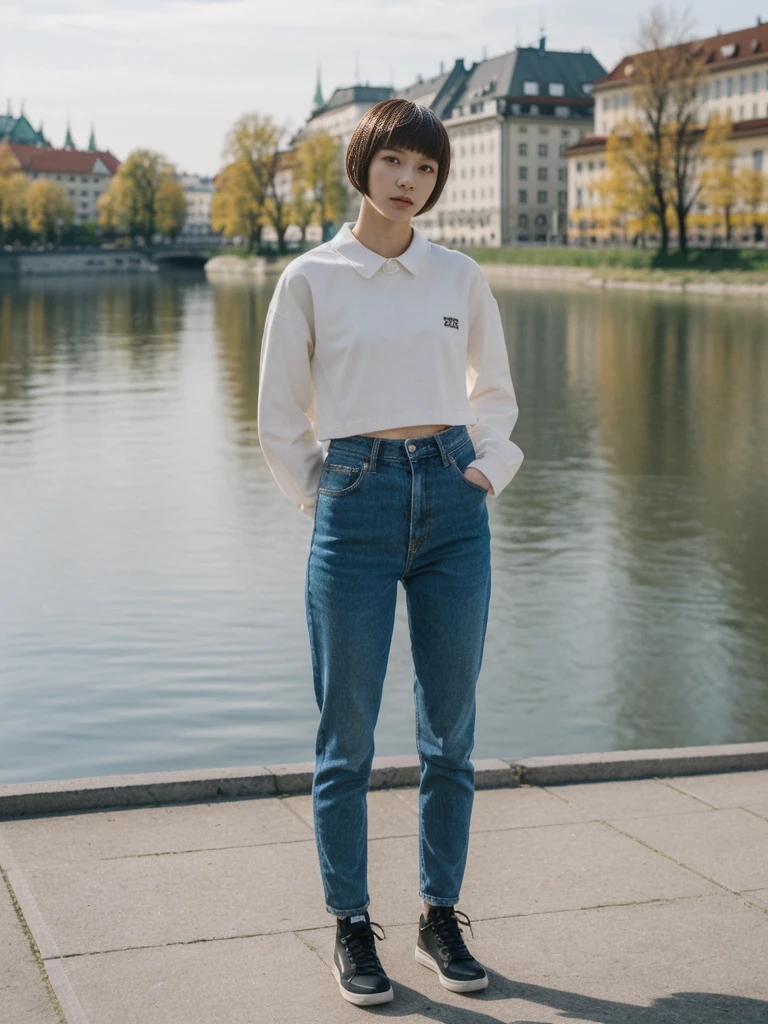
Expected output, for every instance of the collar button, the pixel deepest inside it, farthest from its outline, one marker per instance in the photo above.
(390, 267)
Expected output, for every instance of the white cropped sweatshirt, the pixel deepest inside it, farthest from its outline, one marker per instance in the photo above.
(355, 342)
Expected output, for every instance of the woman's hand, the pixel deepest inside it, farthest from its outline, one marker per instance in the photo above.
(473, 473)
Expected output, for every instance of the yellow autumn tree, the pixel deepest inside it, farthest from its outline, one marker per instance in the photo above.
(624, 193)
(752, 192)
(318, 182)
(170, 206)
(718, 176)
(262, 177)
(236, 209)
(133, 193)
(13, 189)
(49, 212)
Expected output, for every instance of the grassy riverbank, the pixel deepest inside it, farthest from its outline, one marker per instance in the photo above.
(727, 266)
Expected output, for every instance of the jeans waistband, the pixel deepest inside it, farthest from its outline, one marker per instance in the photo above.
(403, 450)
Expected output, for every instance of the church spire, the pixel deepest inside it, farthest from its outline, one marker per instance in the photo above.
(92, 141)
(69, 142)
(318, 99)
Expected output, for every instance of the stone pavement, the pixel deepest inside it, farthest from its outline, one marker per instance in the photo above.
(625, 902)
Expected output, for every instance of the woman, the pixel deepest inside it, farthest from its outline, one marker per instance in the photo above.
(365, 335)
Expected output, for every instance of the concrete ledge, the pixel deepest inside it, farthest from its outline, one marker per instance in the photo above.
(641, 764)
(198, 786)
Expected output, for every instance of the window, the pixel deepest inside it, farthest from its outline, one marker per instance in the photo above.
(606, 102)
(543, 150)
(562, 198)
(522, 220)
(542, 197)
(562, 111)
(757, 159)
(591, 165)
(542, 174)
(522, 173)
(522, 149)
(717, 89)
(729, 86)
(755, 82)
(556, 89)
(578, 166)
(541, 220)
(562, 174)
(579, 198)
(742, 84)
(522, 196)
(530, 88)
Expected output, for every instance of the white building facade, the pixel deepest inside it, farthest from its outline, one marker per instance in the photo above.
(734, 84)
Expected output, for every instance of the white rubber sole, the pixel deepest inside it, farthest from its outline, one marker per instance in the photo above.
(454, 986)
(359, 999)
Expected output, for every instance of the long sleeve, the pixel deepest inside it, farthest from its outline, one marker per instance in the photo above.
(490, 389)
(287, 420)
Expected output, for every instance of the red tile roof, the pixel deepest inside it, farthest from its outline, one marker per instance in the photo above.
(751, 44)
(62, 161)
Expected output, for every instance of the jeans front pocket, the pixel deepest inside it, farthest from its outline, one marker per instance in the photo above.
(458, 469)
(338, 479)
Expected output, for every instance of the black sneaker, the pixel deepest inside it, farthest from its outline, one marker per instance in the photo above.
(356, 966)
(441, 948)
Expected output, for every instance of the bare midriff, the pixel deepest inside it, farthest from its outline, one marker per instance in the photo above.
(399, 433)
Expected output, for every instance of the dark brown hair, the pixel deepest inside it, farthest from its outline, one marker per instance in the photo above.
(399, 122)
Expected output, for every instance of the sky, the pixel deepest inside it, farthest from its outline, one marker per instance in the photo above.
(174, 75)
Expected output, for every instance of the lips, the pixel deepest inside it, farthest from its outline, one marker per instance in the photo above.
(402, 200)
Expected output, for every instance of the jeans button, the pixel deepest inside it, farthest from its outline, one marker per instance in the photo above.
(411, 447)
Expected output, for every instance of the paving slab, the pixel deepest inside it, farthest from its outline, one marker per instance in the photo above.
(627, 902)
(725, 789)
(26, 995)
(729, 846)
(634, 798)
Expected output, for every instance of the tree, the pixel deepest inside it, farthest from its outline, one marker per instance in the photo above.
(624, 190)
(171, 207)
(13, 190)
(236, 209)
(665, 77)
(751, 189)
(48, 209)
(133, 202)
(718, 179)
(253, 144)
(317, 175)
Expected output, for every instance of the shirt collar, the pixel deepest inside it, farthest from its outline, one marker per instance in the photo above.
(367, 262)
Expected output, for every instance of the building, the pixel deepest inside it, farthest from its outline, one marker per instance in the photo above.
(199, 194)
(510, 119)
(338, 116)
(734, 83)
(84, 175)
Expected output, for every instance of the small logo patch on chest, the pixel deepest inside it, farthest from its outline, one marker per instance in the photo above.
(450, 321)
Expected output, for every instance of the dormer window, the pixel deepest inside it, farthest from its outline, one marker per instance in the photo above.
(629, 69)
(728, 49)
(530, 88)
(556, 89)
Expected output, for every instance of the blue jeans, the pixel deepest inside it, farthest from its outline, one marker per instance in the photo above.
(387, 511)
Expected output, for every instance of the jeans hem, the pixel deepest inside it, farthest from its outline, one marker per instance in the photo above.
(438, 901)
(347, 913)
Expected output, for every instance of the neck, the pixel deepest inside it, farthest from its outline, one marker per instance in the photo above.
(386, 237)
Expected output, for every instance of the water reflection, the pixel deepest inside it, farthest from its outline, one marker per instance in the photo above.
(153, 614)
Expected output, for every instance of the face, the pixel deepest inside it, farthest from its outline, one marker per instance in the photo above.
(400, 172)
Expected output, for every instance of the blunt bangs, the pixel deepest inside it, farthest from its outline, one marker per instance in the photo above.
(402, 123)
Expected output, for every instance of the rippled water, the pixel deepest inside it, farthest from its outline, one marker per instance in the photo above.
(152, 606)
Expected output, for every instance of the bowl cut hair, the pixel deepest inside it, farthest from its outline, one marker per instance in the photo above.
(407, 125)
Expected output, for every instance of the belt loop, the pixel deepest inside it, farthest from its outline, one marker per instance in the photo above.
(443, 454)
(374, 452)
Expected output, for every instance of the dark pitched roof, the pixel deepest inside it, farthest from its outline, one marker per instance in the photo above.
(503, 76)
